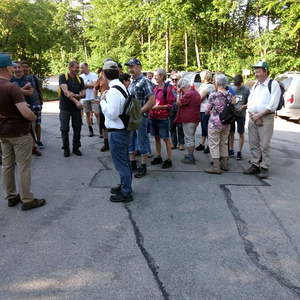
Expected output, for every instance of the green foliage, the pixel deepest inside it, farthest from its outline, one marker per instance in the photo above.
(176, 34)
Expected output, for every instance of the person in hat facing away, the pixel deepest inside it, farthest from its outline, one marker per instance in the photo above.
(262, 104)
(119, 138)
(15, 138)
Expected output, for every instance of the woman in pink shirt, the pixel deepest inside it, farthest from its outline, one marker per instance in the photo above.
(159, 117)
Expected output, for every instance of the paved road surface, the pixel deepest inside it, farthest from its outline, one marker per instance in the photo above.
(187, 236)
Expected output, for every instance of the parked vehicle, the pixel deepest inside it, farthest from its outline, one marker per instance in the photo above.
(193, 77)
(291, 82)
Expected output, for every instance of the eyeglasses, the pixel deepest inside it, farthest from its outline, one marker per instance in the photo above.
(174, 79)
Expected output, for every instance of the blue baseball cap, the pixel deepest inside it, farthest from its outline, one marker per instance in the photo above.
(5, 61)
(133, 61)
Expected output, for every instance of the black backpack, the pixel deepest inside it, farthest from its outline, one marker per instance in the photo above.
(227, 115)
(282, 89)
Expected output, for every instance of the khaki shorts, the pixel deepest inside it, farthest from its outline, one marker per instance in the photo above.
(91, 105)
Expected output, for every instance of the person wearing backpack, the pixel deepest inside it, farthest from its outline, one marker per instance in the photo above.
(71, 90)
(113, 106)
(159, 117)
(265, 98)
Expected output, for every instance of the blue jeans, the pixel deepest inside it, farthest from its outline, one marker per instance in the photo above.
(142, 143)
(118, 144)
(204, 123)
(160, 128)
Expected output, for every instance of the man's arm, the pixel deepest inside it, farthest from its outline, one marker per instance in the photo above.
(149, 104)
(26, 111)
(27, 89)
(70, 95)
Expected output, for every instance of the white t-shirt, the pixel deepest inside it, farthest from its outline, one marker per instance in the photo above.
(88, 79)
(209, 88)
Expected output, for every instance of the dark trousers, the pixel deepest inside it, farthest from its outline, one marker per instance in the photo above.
(177, 134)
(118, 144)
(75, 117)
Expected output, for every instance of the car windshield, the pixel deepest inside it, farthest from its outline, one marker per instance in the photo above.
(286, 81)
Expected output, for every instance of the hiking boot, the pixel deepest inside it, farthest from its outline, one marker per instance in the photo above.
(181, 147)
(156, 161)
(224, 164)
(239, 156)
(14, 201)
(252, 170)
(200, 147)
(33, 204)
(167, 164)
(121, 198)
(188, 160)
(116, 190)
(264, 173)
(141, 172)
(77, 152)
(91, 131)
(133, 165)
(206, 151)
(215, 168)
(67, 153)
(105, 146)
(36, 152)
(231, 153)
(40, 145)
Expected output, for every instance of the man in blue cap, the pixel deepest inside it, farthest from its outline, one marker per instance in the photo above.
(142, 88)
(16, 140)
(262, 104)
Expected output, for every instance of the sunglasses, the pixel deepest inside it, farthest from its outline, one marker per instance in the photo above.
(174, 79)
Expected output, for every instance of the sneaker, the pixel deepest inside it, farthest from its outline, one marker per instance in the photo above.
(91, 131)
(116, 190)
(40, 145)
(157, 161)
(133, 165)
(264, 173)
(188, 160)
(14, 201)
(231, 153)
(167, 164)
(141, 172)
(121, 198)
(252, 170)
(181, 148)
(206, 151)
(36, 152)
(138, 153)
(77, 152)
(33, 204)
(200, 148)
(67, 153)
(239, 156)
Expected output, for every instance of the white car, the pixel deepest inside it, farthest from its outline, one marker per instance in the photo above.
(291, 82)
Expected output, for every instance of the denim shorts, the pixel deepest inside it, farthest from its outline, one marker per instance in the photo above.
(141, 138)
(160, 128)
(240, 124)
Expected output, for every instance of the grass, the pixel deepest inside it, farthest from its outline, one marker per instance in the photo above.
(49, 95)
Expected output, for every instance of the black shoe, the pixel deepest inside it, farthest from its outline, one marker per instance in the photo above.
(200, 147)
(264, 173)
(14, 201)
(231, 153)
(137, 153)
(33, 204)
(105, 146)
(40, 145)
(116, 190)
(91, 134)
(252, 170)
(67, 152)
(239, 156)
(133, 165)
(174, 147)
(167, 164)
(156, 161)
(141, 172)
(206, 151)
(77, 152)
(121, 198)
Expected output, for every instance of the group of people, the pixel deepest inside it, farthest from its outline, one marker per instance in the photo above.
(171, 110)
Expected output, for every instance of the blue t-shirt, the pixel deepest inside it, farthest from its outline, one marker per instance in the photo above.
(21, 82)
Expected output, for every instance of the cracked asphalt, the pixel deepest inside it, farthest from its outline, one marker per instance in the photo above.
(187, 236)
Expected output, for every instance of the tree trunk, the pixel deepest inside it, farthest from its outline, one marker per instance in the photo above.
(149, 42)
(186, 48)
(197, 52)
(167, 49)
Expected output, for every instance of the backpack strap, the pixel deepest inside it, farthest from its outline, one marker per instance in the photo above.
(121, 91)
(270, 85)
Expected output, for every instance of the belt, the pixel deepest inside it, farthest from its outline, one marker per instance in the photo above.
(115, 129)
